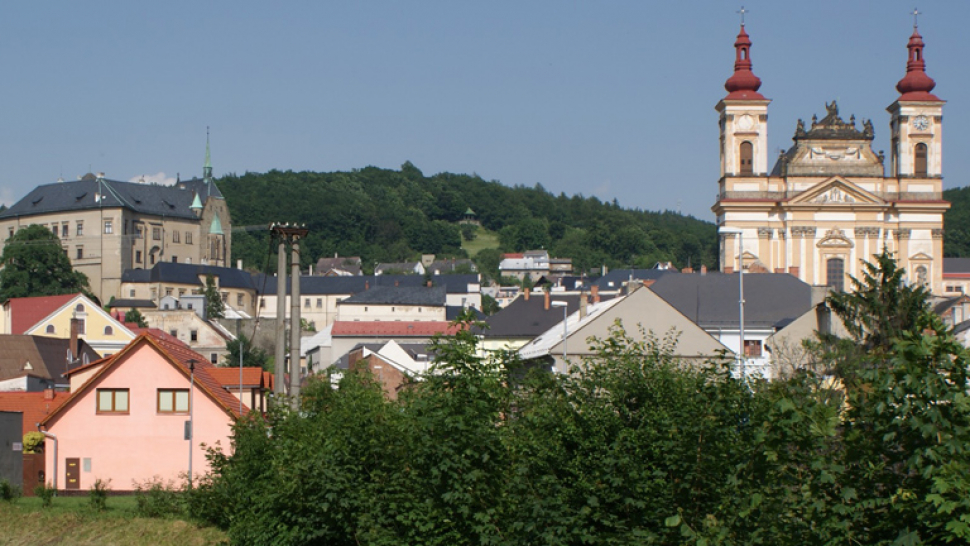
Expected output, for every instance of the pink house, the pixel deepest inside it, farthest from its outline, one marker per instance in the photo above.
(125, 420)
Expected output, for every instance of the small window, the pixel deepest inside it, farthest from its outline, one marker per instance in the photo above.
(50, 328)
(262, 303)
(54, 229)
(188, 237)
(108, 227)
(319, 303)
(79, 229)
(157, 233)
(213, 358)
(80, 326)
(173, 333)
(752, 347)
(131, 293)
(239, 300)
(109, 331)
(64, 229)
(189, 306)
(175, 259)
(835, 273)
(306, 303)
(225, 297)
(173, 400)
(194, 335)
(175, 235)
(137, 256)
(168, 291)
(10, 233)
(80, 252)
(112, 400)
(747, 157)
(79, 308)
(919, 165)
(181, 292)
(152, 258)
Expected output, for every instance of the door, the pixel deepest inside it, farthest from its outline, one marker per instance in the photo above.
(72, 473)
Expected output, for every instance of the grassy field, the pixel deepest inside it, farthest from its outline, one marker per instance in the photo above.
(484, 239)
(70, 520)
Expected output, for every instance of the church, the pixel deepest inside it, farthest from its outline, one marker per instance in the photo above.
(828, 202)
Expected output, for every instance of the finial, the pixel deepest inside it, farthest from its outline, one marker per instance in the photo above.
(916, 14)
(742, 11)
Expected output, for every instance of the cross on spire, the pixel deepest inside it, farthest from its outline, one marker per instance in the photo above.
(742, 11)
(916, 14)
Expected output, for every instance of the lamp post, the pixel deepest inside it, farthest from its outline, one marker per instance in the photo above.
(565, 326)
(724, 230)
(190, 433)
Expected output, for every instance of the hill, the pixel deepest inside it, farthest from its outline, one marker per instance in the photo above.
(956, 223)
(386, 215)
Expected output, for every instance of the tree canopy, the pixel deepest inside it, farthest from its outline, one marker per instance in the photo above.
(35, 264)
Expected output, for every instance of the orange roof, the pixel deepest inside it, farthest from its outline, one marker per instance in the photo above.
(229, 377)
(26, 312)
(34, 405)
(392, 328)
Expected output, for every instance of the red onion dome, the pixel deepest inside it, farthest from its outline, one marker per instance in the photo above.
(916, 85)
(743, 84)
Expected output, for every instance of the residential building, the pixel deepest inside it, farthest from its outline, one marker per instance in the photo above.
(67, 316)
(184, 281)
(526, 318)
(400, 268)
(828, 203)
(347, 266)
(395, 303)
(533, 264)
(108, 226)
(35, 363)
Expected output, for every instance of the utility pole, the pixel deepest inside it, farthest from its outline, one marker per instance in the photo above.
(287, 234)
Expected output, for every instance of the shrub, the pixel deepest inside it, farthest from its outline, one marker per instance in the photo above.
(8, 491)
(156, 499)
(98, 496)
(45, 492)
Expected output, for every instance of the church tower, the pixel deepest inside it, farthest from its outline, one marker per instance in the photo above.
(917, 118)
(743, 117)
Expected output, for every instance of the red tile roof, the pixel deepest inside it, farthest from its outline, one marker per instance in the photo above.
(26, 312)
(229, 377)
(392, 328)
(34, 405)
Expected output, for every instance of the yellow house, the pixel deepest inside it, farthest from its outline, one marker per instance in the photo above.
(55, 316)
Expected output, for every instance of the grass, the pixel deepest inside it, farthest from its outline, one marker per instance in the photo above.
(71, 520)
(484, 239)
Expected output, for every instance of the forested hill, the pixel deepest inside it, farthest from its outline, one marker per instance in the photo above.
(956, 223)
(391, 216)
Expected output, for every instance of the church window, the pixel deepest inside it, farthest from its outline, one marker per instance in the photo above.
(922, 275)
(920, 160)
(747, 159)
(835, 273)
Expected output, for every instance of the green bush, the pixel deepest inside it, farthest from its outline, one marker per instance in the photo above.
(8, 491)
(156, 499)
(98, 495)
(45, 492)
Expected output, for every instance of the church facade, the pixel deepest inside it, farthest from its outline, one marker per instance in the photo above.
(830, 201)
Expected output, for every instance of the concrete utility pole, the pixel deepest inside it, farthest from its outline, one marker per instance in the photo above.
(287, 234)
(295, 328)
(279, 383)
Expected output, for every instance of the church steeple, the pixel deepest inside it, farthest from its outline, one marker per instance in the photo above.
(207, 168)
(743, 84)
(916, 85)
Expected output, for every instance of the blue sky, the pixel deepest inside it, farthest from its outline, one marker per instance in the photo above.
(609, 98)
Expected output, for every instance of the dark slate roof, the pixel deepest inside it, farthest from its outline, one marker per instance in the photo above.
(180, 273)
(47, 356)
(711, 300)
(310, 285)
(620, 276)
(527, 318)
(153, 199)
(133, 303)
(962, 327)
(400, 295)
(956, 265)
(453, 311)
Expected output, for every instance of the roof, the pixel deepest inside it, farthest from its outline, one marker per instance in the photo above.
(618, 277)
(92, 192)
(956, 266)
(34, 405)
(711, 300)
(47, 356)
(524, 318)
(452, 312)
(228, 377)
(192, 274)
(145, 304)
(319, 285)
(551, 337)
(392, 328)
(176, 353)
(433, 296)
(26, 312)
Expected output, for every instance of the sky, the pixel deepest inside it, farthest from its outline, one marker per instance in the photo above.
(612, 98)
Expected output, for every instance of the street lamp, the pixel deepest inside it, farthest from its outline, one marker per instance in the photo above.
(724, 230)
(565, 326)
(190, 433)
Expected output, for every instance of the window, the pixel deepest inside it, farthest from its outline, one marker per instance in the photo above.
(922, 275)
(80, 252)
(194, 335)
(54, 229)
(64, 229)
(188, 237)
(173, 333)
(181, 292)
(109, 331)
(131, 293)
(319, 303)
(262, 303)
(137, 232)
(919, 159)
(50, 328)
(175, 236)
(752, 347)
(213, 358)
(747, 157)
(306, 303)
(152, 256)
(154, 294)
(157, 233)
(108, 227)
(173, 400)
(80, 326)
(79, 230)
(10, 233)
(79, 308)
(112, 400)
(225, 297)
(137, 256)
(175, 259)
(168, 291)
(239, 300)
(835, 273)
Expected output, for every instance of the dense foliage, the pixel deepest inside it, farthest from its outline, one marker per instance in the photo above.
(633, 447)
(956, 223)
(35, 264)
(390, 216)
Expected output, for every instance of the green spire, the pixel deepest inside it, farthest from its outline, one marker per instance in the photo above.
(216, 227)
(196, 203)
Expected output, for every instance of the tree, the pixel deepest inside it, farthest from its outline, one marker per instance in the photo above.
(252, 355)
(134, 316)
(35, 264)
(214, 307)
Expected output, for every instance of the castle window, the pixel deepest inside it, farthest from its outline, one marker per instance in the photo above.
(835, 273)
(188, 237)
(108, 227)
(157, 233)
(138, 256)
(747, 157)
(919, 158)
(175, 236)
(80, 253)
(64, 229)
(54, 229)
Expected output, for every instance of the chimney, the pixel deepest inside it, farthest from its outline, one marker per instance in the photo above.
(703, 269)
(366, 285)
(728, 269)
(526, 294)
(429, 284)
(647, 283)
(779, 270)
(632, 286)
(546, 304)
(793, 270)
(48, 393)
(687, 270)
(238, 264)
(75, 328)
(583, 306)
(397, 282)
(596, 293)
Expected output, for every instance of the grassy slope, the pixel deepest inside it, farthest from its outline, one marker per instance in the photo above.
(483, 239)
(71, 521)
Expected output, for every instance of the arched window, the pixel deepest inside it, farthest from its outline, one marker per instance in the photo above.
(919, 159)
(747, 157)
(109, 331)
(835, 274)
(50, 328)
(922, 275)
(79, 308)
